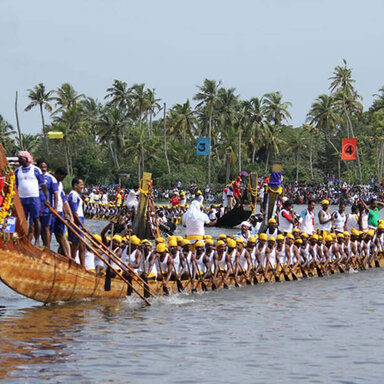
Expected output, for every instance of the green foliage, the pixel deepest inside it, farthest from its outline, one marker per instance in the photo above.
(125, 134)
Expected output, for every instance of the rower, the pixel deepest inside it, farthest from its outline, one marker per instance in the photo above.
(222, 259)
(271, 255)
(272, 228)
(367, 248)
(325, 218)
(163, 264)
(210, 252)
(132, 255)
(291, 252)
(200, 261)
(251, 248)
(76, 203)
(243, 262)
(244, 232)
(28, 179)
(260, 253)
(186, 260)
(232, 254)
(280, 257)
(178, 262)
(352, 219)
(147, 253)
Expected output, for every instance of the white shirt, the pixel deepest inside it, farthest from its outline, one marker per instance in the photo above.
(196, 227)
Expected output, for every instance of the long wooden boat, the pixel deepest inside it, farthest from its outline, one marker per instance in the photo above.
(48, 277)
(244, 209)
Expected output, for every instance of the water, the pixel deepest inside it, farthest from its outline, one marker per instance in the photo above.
(315, 330)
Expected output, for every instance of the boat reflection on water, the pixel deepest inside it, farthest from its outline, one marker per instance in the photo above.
(33, 339)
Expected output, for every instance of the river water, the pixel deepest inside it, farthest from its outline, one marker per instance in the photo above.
(318, 330)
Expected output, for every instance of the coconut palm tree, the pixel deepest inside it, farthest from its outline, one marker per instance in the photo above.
(6, 131)
(206, 97)
(40, 97)
(274, 109)
(139, 101)
(119, 95)
(153, 107)
(182, 121)
(378, 103)
(342, 87)
(66, 97)
(112, 129)
(30, 142)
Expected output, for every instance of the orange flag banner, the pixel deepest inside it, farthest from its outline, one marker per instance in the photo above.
(348, 149)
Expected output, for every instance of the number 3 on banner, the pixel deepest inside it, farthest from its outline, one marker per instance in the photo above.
(348, 149)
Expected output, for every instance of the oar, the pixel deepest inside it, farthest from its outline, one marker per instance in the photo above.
(243, 272)
(193, 289)
(180, 287)
(203, 286)
(96, 252)
(165, 289)
(108, 275)
(234, 277)
(114, 257)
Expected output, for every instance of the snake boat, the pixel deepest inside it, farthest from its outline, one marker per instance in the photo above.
(48, 277)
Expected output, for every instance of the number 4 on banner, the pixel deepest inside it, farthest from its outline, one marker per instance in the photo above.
(348, 149)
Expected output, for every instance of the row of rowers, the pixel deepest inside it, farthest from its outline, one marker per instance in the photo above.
(181, 259)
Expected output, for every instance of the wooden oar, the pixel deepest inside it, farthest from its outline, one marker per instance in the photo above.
(180, 287)
(115, 258)
(203, 286)
(243, 272)
(165, 289)
(193, 289)
(97, 254)
(234, 277)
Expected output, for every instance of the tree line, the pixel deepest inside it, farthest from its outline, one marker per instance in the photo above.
(132, 131)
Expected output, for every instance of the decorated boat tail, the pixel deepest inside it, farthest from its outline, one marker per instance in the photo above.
(245, 207)
(271, 195)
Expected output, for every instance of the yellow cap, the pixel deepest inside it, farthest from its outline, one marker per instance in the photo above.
(340, 236)
(220, 243)
(381, 226)
(355, 232)
(209, 242)
(222, 236)
(304, 235)
(161, 247)
(179, 238)
(199, 192)
(296, 230)
(252, 239)
(117, 238)
(280, 237)
(207, 237)
(170, 238)
(160, 240)
(315, 237)
(231, 243)
(263, 236)
(298, 241)
(289, 235)
(272, 239)
(172, 242)
(371, 233)
(109, 238)
(135, 240)
(146, 241)
(272, 221)
(185, 242)
(346, 234)
(324, 202)
(199, 244)
(97, 237)
(328, 238)
(240, 240)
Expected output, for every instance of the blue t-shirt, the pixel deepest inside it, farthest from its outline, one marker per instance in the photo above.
(52, 187)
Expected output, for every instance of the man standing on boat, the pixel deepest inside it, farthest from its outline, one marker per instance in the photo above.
(76, 203)
(64, 210)
(286, 218)
(194, 220)
(28, 180)
(307, 218)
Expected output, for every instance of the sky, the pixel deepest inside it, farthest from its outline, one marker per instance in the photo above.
(291, 46)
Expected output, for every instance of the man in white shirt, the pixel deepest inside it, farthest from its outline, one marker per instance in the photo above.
(28, 180)
(194, 221)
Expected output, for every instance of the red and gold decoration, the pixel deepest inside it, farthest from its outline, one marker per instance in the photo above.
(7, 193)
